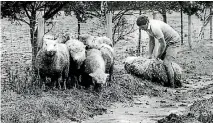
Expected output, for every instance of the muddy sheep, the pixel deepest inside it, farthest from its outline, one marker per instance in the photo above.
(77, 56)
(94, 69)
(53, 61)
(108, 56)
(152, 69)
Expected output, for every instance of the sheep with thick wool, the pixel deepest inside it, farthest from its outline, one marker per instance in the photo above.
(108, 56)
(77, 51)
(77, 56)
(152, 69)
(94, 69)
(63, 37)
(53, 61)
(94, 41)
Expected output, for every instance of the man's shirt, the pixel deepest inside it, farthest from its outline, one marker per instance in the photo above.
(159, 29)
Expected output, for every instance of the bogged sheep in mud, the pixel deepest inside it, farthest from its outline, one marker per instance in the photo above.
(94, 69)
(53, 61)
(94, 41)
(108, 56)
(152, 69)
(77, 56)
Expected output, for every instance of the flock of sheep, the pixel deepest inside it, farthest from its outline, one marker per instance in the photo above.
(87, 61)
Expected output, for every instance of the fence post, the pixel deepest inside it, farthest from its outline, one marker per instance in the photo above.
(109, 25)
(211, 14)
(40, 33)
(189, 31)
(181, 16)
(139, 40)
(154, 15)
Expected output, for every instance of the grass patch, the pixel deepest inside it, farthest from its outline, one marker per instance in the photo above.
(69, 105)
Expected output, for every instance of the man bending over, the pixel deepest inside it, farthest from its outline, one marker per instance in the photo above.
(168, 40)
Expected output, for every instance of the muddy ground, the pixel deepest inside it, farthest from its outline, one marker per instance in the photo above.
(191, 103)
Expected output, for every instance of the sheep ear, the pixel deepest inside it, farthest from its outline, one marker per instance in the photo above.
(107, 76)
(91, 74)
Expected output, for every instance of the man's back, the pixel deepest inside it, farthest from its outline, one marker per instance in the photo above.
(160, 29)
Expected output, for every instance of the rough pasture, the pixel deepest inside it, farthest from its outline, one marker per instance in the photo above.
(22, 102)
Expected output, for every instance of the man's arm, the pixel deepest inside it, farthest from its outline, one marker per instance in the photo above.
(151, 46)
(162, 47)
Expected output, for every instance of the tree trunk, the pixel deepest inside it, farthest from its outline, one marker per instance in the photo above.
(109, 25)
(33, 37)
(181, 16)
(211, 14)
(164, 15)
(189, 31)
(40, 33)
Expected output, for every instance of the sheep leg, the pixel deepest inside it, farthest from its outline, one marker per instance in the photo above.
(98, 87)
(42, 81)
(76, 81)
(64, 79)
(53, 80)
(86, 80)
(110, 73)
(59, 82)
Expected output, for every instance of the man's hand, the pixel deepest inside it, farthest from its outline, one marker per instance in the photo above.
(150, 57)
(158, 59)
(153, 57)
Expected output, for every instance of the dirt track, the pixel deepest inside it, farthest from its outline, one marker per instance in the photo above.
(197, 85)
(150, 109)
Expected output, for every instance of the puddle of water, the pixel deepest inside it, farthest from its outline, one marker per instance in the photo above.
(145, 110)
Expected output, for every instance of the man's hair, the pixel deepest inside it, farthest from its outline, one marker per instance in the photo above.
(142, 20)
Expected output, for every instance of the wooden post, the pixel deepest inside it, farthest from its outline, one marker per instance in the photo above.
(40, 33)
(79, 29)
(164, 15)
(154, 15)
(181, 16)
(211, 14)
(189, 31)
(139, 40)
(109, 25)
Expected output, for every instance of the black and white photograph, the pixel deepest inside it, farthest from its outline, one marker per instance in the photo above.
(106, 61)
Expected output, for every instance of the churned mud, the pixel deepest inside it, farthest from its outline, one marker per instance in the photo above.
(166, 105)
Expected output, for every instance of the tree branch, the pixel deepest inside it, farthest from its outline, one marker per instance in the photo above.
(22, 20)
(39, 5)
(25, 9)
(52, 12)
(53, 24)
